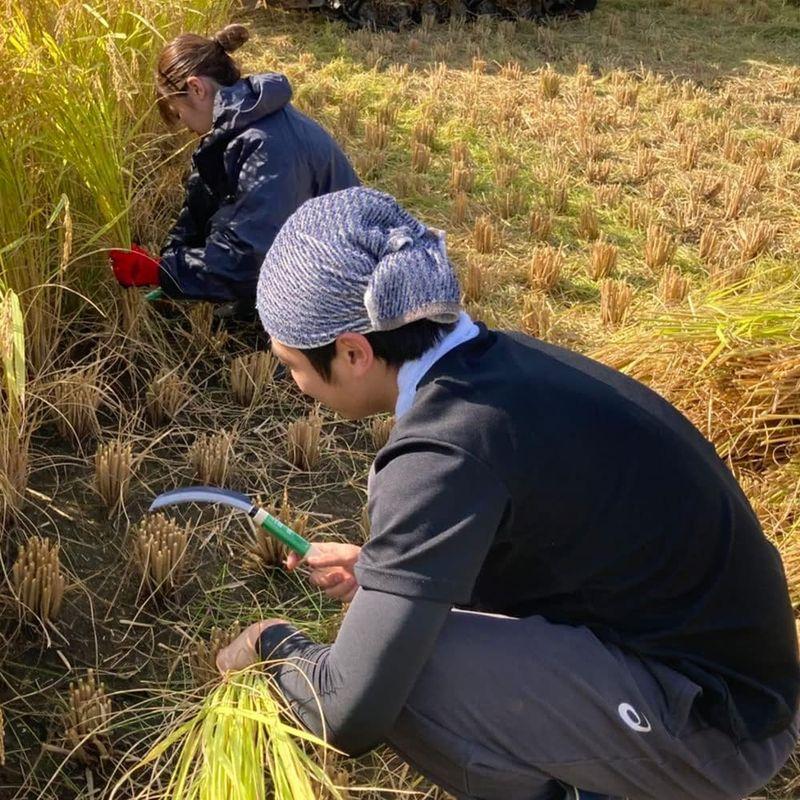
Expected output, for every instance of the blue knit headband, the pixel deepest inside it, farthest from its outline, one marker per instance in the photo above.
(353, 261)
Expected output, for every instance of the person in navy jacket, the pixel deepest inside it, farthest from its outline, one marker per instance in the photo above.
(258, 160)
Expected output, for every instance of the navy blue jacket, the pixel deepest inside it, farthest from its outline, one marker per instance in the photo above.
(261, 160)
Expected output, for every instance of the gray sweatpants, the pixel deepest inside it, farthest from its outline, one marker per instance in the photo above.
(507, 708)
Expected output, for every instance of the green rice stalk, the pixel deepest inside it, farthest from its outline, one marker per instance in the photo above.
(240, 744)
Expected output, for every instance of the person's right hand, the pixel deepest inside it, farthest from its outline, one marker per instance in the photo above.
(331, 568)
(135, 267)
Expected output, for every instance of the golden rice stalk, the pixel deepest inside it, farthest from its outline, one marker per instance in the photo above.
(549, 83)
(420, 157)
(460, 205)
(557, 194)
(673, 287)
(537, 316)
(203, 654)
(250, 374)
(77, 398)
(484, 234)
(159, 551)
(540, 224)
(603, 259)
(755, 172)
(608, 195)
(588, 223)
(201, 321)
(645, 163)
(731, 148)
(2, 739)
(303, 437)
(754, 237)
(263, 549)
(37, 579)
(510, 203)
(504, 174)
(376, 136)
(133, 308)
(545, 267)
(459, 153)
(386, 113)
(380, 428)
(473, 282)
(705, 187)
(369, 162)
(737, 198)
(87, 723)
(627, 94)
(511, 71)
(424, 133)
(791, 128)
(729, 269)
(14, 472)
(598, 171)
(639, 214)
(348, 116)
(166, 395)
(478, 65)
(688, 153)
(462, 178)
(659, 247)
(710, 244)
(769, 148)
(112, 471)
(211, 457)
(615, 302)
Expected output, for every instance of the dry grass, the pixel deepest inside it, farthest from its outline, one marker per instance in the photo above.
(615, 302)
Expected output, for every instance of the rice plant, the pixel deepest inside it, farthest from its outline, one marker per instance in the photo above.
(241, 743)
(303, 441)
(160, 552)
(87, 721)
(112, 471)
(37, 579)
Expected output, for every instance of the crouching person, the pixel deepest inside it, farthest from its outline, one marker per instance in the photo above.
(257, 161)
(565, 593)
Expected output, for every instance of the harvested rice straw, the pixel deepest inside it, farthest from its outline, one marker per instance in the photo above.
(238, 741)
(37, 579)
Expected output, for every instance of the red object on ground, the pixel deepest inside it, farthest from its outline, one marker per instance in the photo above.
(135, 267)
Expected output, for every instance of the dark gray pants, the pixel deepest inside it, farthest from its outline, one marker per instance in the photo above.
(507, 708)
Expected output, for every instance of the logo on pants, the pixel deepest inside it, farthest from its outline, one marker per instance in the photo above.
(633, 719)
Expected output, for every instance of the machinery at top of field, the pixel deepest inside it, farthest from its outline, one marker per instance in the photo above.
(400, 14)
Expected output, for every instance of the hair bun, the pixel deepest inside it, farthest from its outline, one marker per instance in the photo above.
(231, 37)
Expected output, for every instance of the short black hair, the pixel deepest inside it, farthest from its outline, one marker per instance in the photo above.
(394, 347)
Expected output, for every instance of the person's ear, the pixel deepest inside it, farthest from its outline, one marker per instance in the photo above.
(196, 87)
(355, 353)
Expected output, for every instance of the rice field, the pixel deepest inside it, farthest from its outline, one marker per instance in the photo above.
(624, 185)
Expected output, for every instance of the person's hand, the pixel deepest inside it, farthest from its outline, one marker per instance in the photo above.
(135, 267)
(242, 652)
(331, 568)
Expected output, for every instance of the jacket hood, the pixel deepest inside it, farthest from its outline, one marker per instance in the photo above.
(250, 99)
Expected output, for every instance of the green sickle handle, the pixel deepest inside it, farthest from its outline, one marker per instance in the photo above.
(294, 541)
(156, 294)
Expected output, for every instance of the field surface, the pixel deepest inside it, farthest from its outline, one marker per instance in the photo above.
(623, 184)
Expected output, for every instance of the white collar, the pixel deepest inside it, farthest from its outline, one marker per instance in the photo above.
(412, 372)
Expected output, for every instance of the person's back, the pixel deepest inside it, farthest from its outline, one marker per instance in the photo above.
(621, 517)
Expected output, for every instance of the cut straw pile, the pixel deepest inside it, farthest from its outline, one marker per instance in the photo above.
(240, 744)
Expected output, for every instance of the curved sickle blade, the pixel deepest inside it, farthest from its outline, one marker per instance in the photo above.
(203, 494)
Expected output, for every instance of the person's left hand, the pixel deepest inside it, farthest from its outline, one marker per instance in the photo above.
(242, 652)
